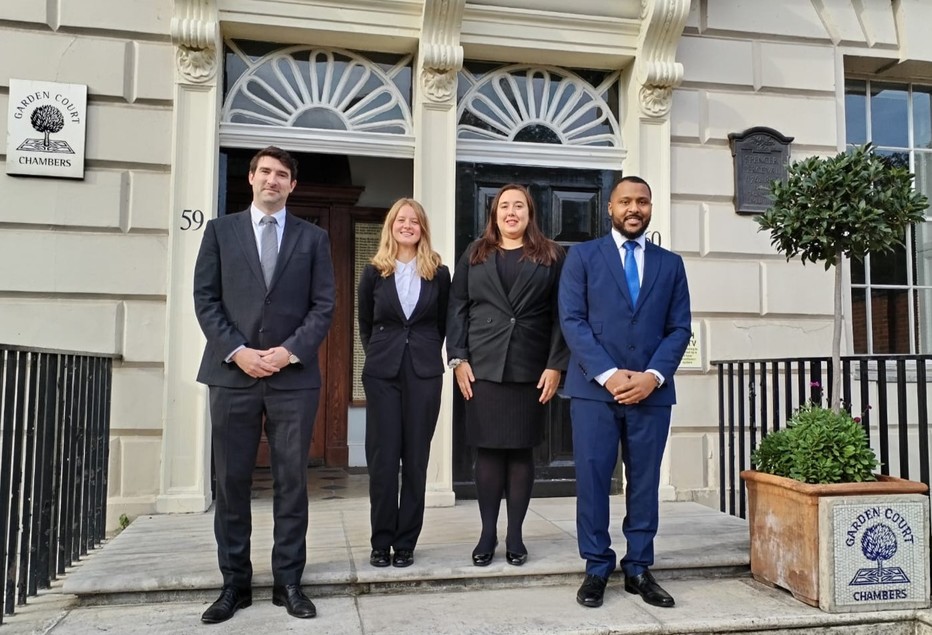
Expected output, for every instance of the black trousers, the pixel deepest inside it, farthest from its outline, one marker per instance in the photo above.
(401, 414)
(236, 425)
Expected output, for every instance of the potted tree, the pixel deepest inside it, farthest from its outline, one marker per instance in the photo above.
(828, 209)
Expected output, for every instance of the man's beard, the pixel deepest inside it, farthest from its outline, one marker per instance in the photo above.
(620, 226)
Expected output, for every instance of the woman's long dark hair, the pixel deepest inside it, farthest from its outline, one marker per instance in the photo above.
(537, 247)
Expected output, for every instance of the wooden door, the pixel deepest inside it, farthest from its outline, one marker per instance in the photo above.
(571, 206)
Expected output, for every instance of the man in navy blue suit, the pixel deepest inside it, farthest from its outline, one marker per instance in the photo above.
(624, 309)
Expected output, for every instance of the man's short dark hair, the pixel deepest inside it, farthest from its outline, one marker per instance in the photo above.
(276, 153)
(631, 179)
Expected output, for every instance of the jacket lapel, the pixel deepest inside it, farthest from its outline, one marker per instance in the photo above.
(393, 298)
(490, 271)
(247, 239)
(290, 236)
(526, 270)
(651, 269)
(423, 298)
(613, 261)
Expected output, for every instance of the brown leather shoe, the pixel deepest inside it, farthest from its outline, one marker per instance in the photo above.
(592, 591)
(231, 599)
(293, 599)
(644, 585)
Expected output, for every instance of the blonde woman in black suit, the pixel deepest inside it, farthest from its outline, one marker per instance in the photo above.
(505, 344)
(402, 304)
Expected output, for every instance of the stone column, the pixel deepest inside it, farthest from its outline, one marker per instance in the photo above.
(439, 59)
(185, 478)
(648, 94)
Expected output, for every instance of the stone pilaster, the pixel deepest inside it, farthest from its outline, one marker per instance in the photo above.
(439, 59)
(185, 480)
(648, 90)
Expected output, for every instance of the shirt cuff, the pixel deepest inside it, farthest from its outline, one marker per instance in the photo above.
(235, 351)
(603, 377)
(656, 374)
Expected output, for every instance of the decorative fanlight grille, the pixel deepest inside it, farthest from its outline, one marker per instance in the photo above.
(316, 88)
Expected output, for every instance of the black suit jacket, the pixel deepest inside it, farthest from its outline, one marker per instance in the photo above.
(235, 308)
(484, 322)
(384, 329)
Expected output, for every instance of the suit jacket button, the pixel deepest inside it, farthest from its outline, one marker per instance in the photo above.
(262, 330)
(268, 300)
(631, 348)
(512, 320)
(488, 320)
(381, 328)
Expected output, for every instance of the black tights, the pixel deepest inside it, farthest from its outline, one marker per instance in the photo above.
(510, 472)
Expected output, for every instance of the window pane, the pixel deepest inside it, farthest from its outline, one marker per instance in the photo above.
(924, 323)
(857, 271)
(889, 268)
(859, 321)
(890, 316)
(922, 116)
(889, 118)
(855, 112)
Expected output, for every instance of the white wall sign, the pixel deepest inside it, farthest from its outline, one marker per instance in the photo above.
(46, 129)
(692, 358)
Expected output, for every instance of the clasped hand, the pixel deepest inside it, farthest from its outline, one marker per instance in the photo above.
(630, 387)
(261, 363)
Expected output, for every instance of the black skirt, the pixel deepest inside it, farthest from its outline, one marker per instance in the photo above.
(506, 415)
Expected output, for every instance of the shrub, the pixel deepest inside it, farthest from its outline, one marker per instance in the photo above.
(818, 446)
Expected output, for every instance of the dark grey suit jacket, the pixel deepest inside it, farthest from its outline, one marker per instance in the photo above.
(235, 308)
(483, 322)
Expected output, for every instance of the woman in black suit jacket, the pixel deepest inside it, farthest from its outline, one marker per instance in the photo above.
(506, 347)
(403, 296)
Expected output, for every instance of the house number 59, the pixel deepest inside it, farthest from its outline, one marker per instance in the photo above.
(192, 219)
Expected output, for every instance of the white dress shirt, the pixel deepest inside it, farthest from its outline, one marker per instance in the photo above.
(408, 285)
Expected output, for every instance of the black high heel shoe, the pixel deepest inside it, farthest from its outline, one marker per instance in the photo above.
(483, 559)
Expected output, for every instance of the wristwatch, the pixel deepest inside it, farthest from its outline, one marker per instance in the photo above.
(456, 361)
(293, 359)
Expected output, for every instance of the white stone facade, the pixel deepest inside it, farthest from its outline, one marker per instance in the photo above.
(100, 265)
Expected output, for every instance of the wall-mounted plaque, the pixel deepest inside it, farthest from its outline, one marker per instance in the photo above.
(761, 155)
(46, 129)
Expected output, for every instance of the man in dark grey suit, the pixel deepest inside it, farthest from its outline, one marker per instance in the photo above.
(264, 295)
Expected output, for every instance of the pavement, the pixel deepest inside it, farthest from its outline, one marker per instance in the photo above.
(160, 574)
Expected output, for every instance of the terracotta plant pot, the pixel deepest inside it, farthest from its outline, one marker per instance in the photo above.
(783, 517)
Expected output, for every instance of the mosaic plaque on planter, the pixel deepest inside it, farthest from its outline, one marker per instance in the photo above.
(761, 155)
(874, 553)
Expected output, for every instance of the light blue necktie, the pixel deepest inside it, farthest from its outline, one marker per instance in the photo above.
(631, 271)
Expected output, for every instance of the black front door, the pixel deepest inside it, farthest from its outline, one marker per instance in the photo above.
(572, 206)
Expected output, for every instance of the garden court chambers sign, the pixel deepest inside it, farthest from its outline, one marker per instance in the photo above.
(46, 129)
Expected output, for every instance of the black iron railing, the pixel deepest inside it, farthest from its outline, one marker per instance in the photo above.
(54, 434)
(888, 392)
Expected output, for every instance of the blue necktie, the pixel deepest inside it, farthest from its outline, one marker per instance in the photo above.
(631, 271)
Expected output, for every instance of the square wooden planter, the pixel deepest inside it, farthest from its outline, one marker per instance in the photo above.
(786, 536)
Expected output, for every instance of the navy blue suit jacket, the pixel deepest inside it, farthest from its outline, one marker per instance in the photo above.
(602, 327)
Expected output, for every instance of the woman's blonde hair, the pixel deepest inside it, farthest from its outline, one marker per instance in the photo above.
(428, 260)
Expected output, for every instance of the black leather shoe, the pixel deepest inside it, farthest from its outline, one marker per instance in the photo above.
(482, 559)
(380, 558)
(293, 599)
(516, 559)
(592, 591)
(645, 586)
(403, 558)
(231, 599)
